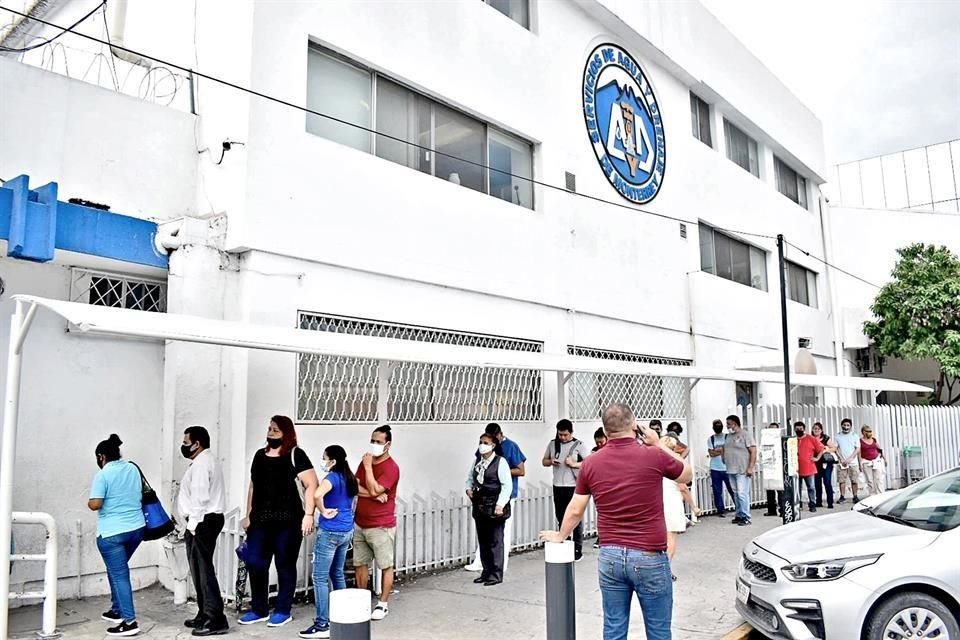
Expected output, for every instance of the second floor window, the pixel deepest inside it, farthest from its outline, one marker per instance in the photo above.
(741, 148)
(700, 120)
(414, 130)
(732, 259)
(516, 10)
(790, 183)
(801, 284)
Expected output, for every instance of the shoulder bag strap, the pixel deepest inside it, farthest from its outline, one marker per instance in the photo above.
(144, 483)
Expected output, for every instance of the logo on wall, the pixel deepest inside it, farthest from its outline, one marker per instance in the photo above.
(623, 123)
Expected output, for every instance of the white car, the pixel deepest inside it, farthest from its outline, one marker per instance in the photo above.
(889, 570)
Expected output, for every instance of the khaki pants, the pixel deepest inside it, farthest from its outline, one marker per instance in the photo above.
(875, 473)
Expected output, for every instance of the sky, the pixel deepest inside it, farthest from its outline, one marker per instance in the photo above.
(882, 75)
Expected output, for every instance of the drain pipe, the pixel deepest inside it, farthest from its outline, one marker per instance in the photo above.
(117, 37)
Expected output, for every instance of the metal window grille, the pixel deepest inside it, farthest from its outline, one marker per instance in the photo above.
(647, 396)
(339, 389)
(119, 291)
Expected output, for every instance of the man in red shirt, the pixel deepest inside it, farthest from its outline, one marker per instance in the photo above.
(375, 533)
(625, 479)
(809, 450)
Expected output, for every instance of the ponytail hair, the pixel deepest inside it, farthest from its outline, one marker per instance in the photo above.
(110, 448)
(339, 456)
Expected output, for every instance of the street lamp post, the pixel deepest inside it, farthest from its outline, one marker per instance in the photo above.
(788, 503)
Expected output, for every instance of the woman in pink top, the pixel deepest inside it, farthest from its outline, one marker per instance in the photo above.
(871, 462)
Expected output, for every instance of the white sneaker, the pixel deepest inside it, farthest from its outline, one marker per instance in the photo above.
(379, 612)
(473, 567)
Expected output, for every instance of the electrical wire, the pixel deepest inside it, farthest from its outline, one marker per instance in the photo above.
(49, 24)
(832, 266)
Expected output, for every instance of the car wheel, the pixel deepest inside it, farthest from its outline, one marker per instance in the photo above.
(912, 616)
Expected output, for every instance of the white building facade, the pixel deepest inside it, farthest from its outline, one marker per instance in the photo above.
(499, 206)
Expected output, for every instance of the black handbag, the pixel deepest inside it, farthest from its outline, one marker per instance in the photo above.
(158, 522)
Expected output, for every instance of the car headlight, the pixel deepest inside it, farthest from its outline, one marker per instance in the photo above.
(823, 570)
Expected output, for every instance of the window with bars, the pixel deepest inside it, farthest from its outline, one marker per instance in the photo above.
(801, 284)
(414, 130)
(741, 148)
(118, 291)
(700, 120)
(648, 396)
(339, 389)
(790, 183)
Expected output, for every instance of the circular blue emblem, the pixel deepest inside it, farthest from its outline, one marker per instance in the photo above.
(623, 123)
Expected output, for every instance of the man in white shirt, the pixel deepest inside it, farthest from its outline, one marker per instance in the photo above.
(201, 504)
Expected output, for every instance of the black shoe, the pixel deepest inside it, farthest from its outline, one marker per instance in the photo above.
(856, 499)
(480, 579)
(819, 505)
(195, 622)
(721, 514)
(124, 629)
(772, 515)
(813, 509)
(577, 556)
(491, 583)
(736, 520)
(841, 500)
(210, 629)
(111, 616)
(744, 523)
(829, 506)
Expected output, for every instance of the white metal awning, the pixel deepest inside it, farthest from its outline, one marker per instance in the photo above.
(170, 326)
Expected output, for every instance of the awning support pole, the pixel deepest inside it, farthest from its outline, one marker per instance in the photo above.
(19, 324)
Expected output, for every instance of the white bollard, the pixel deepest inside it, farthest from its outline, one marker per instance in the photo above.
(350, 614)
(176, 553)
(561, 601)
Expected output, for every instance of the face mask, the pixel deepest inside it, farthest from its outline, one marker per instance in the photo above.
(799, 432)
(718, 429)
(328, 466)
(376, 449)
(846, 429)
(99, 463)
(186, 450)
(274, 443)
(485, 449)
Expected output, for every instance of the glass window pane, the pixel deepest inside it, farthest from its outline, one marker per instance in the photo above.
(700, 120)
(516, 10)
(758, 269)
(741, 148)
(754, 158)
(788, 181)
(723, 245)
(811, 288)
(340, 90)
(460, 137)
(510, 161)
(802, 192)
(403, 114)
(797, 283)
(740, 262)
(707, 256)
(694, 116)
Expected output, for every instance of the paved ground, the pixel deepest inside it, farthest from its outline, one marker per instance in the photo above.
(449, 606)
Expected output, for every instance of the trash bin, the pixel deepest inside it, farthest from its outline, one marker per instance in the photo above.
(912, 464)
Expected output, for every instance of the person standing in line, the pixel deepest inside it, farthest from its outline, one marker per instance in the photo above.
(277, 519)
(116, 496)
(809, 451)
(774, 497)
(514, 456)
(375, 533)
(673, 514)
(334, 502)
(626, 483)
(565, 454)
(599, 439)
(825, 466)
(718, 470)
(871, 462)
(488, 486)
(848, 450)
(201, 502)
(740, 456)
(675, 429)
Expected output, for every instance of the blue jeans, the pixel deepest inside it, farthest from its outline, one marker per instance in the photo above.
(116, 552)
(741, 487)
(625, 572)
(329, 555)
(811, 489)
(280, 542)
(719, 479)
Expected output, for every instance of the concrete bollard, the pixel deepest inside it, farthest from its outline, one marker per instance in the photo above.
(350, 614)
(561, 591)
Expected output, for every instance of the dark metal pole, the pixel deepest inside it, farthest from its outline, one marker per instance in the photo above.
(561, 599)
(787, 502)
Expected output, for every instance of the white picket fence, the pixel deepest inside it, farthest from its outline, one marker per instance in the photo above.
(437, 532)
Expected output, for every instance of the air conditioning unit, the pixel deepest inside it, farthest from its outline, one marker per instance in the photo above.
(869, 362)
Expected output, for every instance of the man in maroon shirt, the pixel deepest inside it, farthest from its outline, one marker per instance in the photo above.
(375, 533)
(625, 479)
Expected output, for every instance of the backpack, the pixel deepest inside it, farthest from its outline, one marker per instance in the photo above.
(557, 445)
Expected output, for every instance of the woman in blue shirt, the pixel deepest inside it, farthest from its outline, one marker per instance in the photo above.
(334, 498)
(116, 496)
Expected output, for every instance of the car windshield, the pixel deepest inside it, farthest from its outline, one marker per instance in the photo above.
(933, 504)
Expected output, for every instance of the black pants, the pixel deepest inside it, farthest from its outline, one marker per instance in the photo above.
(280, 542)
(200, 547)
(774, 500)
(561, 498)
(490, 541)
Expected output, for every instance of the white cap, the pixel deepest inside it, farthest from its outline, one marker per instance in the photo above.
(559, 552)
(350, 606)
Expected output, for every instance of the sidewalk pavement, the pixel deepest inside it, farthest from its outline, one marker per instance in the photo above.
(448, 606)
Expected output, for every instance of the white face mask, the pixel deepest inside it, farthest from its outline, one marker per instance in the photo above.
(485, 449)
(376, 450)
